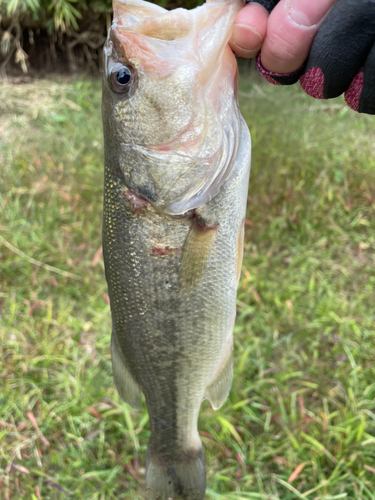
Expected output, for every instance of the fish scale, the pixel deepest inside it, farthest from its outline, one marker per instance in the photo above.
(172, 277)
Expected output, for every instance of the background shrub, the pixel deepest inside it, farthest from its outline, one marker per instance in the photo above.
(57, 35)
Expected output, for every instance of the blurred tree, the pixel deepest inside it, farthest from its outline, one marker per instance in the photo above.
(58, 34)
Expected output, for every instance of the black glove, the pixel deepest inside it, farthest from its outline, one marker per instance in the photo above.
(342, 56)
(268, 4)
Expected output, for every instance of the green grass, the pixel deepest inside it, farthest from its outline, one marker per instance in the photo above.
(303, 397)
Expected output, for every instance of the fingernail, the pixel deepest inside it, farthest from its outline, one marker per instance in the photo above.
(241, 52)
(308, 13)
(245, 37)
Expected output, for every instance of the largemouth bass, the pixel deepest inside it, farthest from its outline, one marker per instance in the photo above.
(177, 163)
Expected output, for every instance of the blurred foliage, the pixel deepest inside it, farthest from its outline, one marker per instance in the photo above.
(56, 17)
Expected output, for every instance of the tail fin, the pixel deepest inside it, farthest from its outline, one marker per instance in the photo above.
(181, 481)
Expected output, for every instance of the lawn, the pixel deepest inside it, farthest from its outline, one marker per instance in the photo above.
(300, 420)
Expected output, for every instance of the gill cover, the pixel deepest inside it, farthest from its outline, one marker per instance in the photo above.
(175, 134)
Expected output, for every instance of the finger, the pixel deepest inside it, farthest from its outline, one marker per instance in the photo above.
(249, 31)
(360, 96)
(292, 26)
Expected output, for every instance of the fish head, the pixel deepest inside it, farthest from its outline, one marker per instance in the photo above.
(170, 113)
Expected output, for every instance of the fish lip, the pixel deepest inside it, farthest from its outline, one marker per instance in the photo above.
(213, 183)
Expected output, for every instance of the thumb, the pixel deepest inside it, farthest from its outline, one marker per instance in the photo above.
(291, 29)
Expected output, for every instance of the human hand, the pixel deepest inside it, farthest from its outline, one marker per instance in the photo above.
(328, 45)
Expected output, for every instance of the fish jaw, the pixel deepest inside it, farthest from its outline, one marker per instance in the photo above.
(174, 136)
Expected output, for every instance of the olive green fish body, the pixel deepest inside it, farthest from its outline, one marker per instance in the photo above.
(175, 339)
(172, 264)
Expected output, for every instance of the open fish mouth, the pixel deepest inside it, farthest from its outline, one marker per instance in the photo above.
(183, 155)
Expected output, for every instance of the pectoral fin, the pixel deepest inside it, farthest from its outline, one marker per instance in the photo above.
(217, 392)
(127, 387)
(195, 253)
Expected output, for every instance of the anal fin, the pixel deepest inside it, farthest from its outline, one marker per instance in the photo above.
(127, 387)
(217, 392)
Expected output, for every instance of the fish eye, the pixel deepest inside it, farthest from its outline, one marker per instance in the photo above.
(122, 78)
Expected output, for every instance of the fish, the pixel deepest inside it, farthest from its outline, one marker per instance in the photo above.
(177, 165)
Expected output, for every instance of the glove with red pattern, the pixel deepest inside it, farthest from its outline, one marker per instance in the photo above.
(342, 56)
